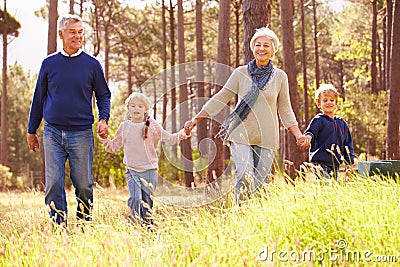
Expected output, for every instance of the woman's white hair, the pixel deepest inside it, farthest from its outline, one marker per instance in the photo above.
(266, 32)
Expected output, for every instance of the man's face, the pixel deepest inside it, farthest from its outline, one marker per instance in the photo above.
(72, 37)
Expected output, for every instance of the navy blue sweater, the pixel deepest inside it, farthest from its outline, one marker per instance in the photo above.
(63, 93)
(325, 132)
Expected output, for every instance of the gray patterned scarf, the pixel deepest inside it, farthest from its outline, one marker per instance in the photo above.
(260, 77)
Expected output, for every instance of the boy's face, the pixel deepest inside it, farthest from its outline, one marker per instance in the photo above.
(137, 109)
(327, 103)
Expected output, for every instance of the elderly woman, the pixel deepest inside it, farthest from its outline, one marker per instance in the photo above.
(252, 128)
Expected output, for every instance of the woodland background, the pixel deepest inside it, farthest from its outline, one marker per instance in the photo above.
(150, 49)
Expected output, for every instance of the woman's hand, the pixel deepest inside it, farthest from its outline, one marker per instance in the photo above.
(304, 141)
(189, 125)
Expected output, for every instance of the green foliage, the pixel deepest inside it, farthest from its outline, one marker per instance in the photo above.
(169, 172)
(5, 177)
(9, 24)
(19, 96)
(366, 116)
(8, 181)
(108, 167)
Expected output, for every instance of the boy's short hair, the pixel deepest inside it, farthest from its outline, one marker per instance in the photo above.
(326, 88)
(139, 96)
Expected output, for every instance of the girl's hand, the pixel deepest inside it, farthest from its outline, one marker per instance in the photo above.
(187, 130)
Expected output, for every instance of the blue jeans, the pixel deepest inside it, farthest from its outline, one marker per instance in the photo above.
(77, 147)
(254, 162)
(323, 171)
(141, 186)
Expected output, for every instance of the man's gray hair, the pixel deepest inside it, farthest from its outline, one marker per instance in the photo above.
(65, 19)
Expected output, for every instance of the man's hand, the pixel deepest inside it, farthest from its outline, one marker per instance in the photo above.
(33, 142)
(102, 129)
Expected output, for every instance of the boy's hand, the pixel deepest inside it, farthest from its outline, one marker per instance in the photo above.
(304, 141)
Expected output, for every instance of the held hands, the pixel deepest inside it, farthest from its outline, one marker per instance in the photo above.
(189, 125)
(33, 142)
(102, 129)
(304, 141)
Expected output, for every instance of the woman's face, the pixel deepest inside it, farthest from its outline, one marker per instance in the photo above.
(263, 50)
(137, 109)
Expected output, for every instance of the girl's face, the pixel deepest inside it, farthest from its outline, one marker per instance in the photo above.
(263, 50)
(327, 104)
(137, 109)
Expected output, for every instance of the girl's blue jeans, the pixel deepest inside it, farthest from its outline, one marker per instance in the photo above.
(141, 187)
(76, 147)
(252, 162)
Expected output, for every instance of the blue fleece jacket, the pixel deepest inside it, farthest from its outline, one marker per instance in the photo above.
(325, 132)
(63, 93)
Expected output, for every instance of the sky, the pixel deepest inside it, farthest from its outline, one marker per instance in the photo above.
(30, 48)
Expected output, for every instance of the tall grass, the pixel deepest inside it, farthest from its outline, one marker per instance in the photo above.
(308, 224)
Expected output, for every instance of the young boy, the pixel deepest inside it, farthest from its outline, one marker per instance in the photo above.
(328, 136)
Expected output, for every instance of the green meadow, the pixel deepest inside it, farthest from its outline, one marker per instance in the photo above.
(353, 223)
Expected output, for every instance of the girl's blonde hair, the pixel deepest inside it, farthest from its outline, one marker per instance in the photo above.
(326, 88)
(145, 100)
(142, 97)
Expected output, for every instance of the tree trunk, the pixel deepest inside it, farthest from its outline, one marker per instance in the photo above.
(293, 154)
(164, 59)
(374, 71)
(389, 19)
(52, 31)
(392, 141)
(317, 74)
(216, 167)
(304, 63)
(236, 7)
(256, 14)
(106, 53)
(130, 84)
(4, 128)
(202, 126)
(186, 148)
(71, 6)
(173, 83)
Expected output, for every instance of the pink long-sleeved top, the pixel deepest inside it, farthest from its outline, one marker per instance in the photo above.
(140, 154)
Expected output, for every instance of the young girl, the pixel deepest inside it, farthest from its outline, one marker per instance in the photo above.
(140, 135)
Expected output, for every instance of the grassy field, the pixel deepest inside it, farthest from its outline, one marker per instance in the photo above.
(342, 224)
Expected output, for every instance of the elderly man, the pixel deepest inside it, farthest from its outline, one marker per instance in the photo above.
(63, 98)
